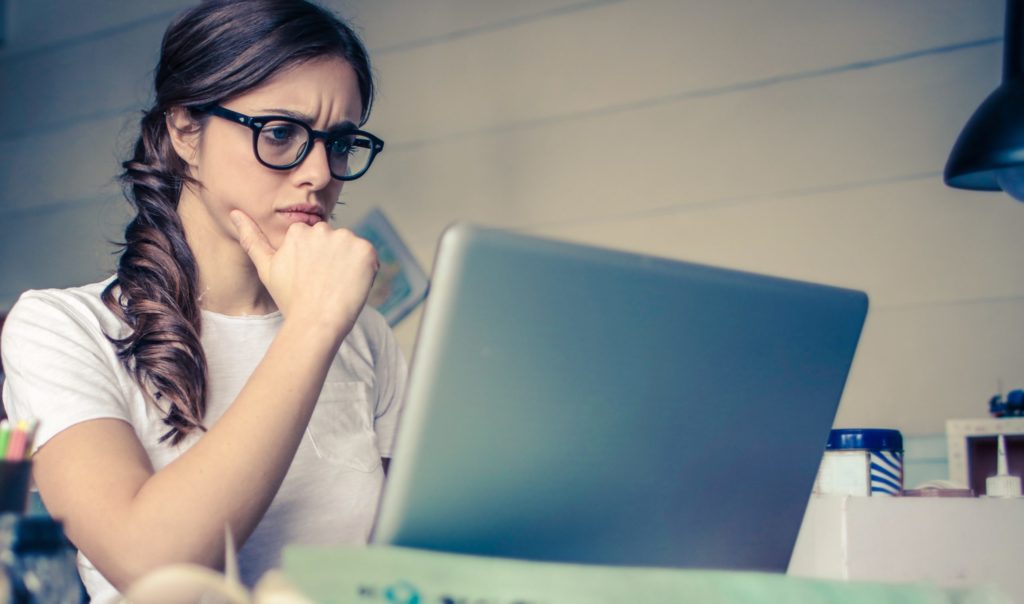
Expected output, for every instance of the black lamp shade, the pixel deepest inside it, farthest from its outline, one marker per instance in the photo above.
(993, 138)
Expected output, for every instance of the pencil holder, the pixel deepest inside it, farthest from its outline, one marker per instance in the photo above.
(14, 480)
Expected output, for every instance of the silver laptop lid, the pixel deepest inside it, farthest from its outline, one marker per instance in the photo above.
(576, 404)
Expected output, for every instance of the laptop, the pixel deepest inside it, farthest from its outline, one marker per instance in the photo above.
(575, 404)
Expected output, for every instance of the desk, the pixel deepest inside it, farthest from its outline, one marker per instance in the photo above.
(953, 542)
(380, 574)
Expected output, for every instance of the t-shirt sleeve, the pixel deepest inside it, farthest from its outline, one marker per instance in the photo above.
(391, 368)
(60, 368)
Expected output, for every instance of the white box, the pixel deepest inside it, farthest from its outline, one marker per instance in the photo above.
(952, 542)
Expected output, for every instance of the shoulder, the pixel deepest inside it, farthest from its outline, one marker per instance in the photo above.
(70, 311)
(372, 325)
(371, 340)
(370, 333)
(60, 366)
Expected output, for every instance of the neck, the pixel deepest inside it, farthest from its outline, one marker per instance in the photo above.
(228, 282)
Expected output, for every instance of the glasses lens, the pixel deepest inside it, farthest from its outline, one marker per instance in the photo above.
(281, 144)
(350, 155)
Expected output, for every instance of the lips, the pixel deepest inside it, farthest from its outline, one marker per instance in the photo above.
(302, 213)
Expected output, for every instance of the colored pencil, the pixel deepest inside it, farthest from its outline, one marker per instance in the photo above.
(16, 446)
(5, 437)
(30, 437)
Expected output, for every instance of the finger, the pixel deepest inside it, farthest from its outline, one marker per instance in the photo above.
(252, 239)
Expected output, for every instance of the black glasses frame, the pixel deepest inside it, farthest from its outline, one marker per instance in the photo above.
(257, 122)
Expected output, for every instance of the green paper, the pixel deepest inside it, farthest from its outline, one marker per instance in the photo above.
(368, 575)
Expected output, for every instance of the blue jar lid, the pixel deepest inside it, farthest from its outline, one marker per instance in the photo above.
(873, 439)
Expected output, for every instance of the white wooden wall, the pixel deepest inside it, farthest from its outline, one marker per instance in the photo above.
(803, 138)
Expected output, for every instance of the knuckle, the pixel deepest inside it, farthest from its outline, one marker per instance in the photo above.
(363, 247)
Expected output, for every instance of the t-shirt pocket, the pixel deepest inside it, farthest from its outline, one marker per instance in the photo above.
(341, 427)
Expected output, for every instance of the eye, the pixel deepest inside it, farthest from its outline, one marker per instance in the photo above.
(342, 146)
(280, 133)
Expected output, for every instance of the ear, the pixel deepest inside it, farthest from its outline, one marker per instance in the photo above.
(184, 133)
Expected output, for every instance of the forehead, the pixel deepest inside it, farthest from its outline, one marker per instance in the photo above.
(325, 90)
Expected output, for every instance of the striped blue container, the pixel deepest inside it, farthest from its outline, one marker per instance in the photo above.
(884, 451)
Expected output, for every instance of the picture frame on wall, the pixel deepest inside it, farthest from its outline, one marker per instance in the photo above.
(401, 283)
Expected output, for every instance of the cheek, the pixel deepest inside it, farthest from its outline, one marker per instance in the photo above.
(232, 178)
(334, 190)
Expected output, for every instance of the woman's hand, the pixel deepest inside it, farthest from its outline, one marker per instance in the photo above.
(318, 274)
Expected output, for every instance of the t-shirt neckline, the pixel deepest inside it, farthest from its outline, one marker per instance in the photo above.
(222, 317)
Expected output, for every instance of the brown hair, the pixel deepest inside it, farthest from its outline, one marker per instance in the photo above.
(212, 52)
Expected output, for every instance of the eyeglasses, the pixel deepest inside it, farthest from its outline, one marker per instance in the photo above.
(282, 142)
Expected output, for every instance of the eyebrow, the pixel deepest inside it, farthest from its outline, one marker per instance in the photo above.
(344, 125)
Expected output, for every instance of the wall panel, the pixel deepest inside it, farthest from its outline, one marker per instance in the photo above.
(65, 165)
(41, 25)
(59, 247)
(631, 52)
(797, 137)
(834, 132)
(60, 88)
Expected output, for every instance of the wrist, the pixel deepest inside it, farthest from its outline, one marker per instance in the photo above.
(315, 332)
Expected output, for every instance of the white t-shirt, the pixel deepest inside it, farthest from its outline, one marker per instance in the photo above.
(62, 370)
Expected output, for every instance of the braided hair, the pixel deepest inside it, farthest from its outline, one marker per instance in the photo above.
(212, 52)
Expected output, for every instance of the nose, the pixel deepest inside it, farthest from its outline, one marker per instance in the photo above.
(314, 170)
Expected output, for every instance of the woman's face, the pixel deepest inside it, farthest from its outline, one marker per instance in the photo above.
(324, 93)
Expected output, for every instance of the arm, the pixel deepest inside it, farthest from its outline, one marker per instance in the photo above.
(128, 519)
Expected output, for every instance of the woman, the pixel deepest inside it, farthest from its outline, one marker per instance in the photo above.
(229, 373)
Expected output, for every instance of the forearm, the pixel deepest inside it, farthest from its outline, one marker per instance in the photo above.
(232, 473)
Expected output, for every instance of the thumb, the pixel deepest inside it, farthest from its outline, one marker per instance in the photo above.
(253, 240)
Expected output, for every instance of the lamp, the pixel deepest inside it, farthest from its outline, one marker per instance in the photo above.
(989, 153)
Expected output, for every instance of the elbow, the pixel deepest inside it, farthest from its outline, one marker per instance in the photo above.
(141, 563)
(183, 583)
